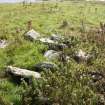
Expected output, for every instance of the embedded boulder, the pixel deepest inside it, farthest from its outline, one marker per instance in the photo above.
(56, 37)
(52, 55)
(32, 35)
(82, 56)
(21, 73)
(58, 47)
(47, 41)
(45, 66)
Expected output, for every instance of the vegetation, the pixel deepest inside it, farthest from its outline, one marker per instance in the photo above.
(72, 83)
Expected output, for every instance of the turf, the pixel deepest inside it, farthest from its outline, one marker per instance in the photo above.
(47, 18)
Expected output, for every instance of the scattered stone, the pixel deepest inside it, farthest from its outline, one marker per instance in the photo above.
(45, 66)
(47, 41)
(81, 56)
(58, 47)
(53, 44)
(21, 73)
(52, 55)
(3, 43)
(56, 37)
(32, 35)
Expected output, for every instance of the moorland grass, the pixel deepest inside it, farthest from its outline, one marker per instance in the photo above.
(47, 18)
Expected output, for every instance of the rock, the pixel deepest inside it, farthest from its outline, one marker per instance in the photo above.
(56, 37)
(81, 56)
(54, 42)
(52, 55)
(58, 47)
(22, 73)
(47, 41)
(3, 43)
(53, 39)
(45, 66)
(32, 35)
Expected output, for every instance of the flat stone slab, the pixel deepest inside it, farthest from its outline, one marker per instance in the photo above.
(32, 35)
(23, 73)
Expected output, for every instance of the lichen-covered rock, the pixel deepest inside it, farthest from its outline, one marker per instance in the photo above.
(47, 41)
(58, 46)
(22, 73)
(45, 66)
(56, 37)
(81, 56)
(32, 35)
(52, 55)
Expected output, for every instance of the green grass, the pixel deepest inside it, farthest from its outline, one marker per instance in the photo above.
(46, 19)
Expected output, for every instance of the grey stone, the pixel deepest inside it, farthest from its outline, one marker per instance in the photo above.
(47, 41)
(58, 46)
(56, 37)
(32, 35)
(23, 73)
(52, 55)
(45, 66)
(82, 56)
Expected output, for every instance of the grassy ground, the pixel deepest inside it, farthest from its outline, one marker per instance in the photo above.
(47, 18)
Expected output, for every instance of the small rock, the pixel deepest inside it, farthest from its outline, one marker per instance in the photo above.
(47, 41)
(56, 37)
(58, 47)
(45, 66)
(22, 73)
(81, 56)
(52, 55)
(32, 35)
(3, 43)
